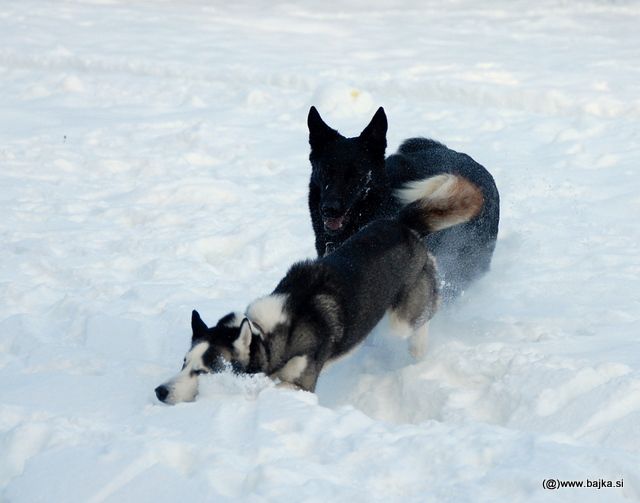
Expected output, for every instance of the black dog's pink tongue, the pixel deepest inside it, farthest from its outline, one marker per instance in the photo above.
(333, 224)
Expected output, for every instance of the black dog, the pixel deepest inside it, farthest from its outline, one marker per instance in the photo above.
(352, 184)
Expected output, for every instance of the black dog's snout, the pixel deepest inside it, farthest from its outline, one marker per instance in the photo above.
(331, 208)
(162, 392)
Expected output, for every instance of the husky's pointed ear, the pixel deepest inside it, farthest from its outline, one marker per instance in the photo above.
(242, 343)
(319, 133)
(375, 134)
(198, 326)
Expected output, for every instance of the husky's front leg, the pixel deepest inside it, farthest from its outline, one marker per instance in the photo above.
(292, 370)
(300, 372)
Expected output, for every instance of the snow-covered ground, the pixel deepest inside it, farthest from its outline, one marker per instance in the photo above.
(153, 160)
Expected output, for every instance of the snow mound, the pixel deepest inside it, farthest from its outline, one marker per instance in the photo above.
(340, 100)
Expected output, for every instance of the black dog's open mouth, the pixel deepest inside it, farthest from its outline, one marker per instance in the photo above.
(334, 224)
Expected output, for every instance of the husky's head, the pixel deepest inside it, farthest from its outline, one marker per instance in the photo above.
(212, 350)
(344, 169)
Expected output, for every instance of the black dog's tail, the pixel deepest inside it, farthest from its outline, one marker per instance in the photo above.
(438, 202)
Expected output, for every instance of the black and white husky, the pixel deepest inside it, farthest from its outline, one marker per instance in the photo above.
(324, 308)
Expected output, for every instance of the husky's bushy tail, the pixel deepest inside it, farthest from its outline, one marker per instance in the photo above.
(438, 202)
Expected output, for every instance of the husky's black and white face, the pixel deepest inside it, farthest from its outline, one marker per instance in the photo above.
(212, 350)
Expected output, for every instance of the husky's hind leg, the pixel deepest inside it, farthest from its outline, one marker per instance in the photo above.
(415, 306)
(418, 341)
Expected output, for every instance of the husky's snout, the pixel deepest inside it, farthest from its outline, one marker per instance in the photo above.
(162, 392)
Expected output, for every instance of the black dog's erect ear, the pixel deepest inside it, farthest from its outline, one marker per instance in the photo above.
(375, 134)
(197, 325)
(319, 133)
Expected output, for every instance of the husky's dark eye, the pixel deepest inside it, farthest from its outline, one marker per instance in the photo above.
(197, 372)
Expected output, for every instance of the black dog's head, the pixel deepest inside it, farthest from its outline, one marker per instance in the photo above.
(212, 350)
(344, 169)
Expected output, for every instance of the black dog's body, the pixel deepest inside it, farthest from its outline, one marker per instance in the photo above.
(323, 308)
(353, 184)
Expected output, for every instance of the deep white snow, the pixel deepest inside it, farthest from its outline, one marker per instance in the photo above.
(153, 159)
